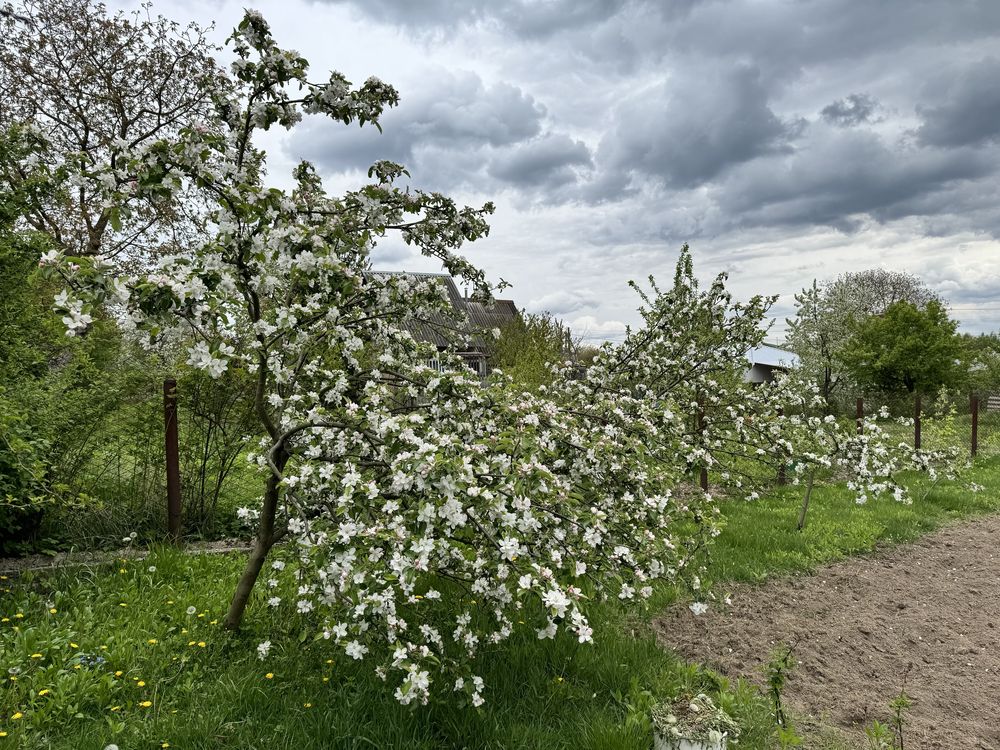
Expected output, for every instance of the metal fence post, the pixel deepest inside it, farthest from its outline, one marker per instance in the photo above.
(861, 415)
(916, 422)
(172, 454)
(975, 424)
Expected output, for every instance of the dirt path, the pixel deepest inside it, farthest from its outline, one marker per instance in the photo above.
(929, 611)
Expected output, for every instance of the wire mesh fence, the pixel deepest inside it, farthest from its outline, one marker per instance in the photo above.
(114, 465)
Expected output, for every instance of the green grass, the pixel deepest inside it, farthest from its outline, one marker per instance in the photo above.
(760, 539)
(540, 694)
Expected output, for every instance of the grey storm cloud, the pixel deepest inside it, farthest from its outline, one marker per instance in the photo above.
(551, 160)
(457, 111)
(966, 110)
(783, 38)
(854, 109)
(523, 17)
(626, 127)
(844, 177)
(690, 129)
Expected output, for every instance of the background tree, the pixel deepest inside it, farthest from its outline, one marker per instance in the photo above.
(96, 85)
(529, 345)
(816, 334)
(45, 376)
(860, 294)
(906, 348)
(980, 362)
(826, 317)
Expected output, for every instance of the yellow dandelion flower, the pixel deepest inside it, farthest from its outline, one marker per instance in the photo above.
(116, 708)
(121, 570)
(119, 673)
(269, 676)
(16, 716)
(44, 691)
(307, 705)
(165, 744)
(13, 678)
(191, 643)
(214, 622)
(19, 616)
(6, 619)
(329, 661)
(122, 604)
(170, 601)
(201, 615)
(52, 610)
(326, 679)
(76, 666)
(202, 644)
(184, 631)
(36, 656)
(73, 645)
(151, 641)
(3, 734)
(141, 683)
(146, 704)
(104, 648)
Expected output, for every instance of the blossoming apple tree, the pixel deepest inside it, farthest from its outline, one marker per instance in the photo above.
(428, 514)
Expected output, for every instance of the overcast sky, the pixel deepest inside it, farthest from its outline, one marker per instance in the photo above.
(785, 140)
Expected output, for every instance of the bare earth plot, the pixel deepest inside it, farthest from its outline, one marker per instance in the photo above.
(929, 611)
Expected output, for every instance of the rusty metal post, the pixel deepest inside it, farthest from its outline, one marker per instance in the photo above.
(703, 478)
(861, 415)
(172, 455)
(975, 424)
(916, 422)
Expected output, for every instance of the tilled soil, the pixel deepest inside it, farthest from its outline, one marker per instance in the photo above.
(927, 613)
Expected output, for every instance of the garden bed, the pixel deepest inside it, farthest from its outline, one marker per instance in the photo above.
(925, 615)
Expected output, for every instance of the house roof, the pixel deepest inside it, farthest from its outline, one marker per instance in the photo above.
(481, 316)
(773, 356)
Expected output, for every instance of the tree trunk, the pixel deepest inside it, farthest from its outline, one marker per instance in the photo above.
(805, 501)
(261, 548)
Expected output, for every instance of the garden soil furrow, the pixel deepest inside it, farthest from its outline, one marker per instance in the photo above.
(925, 615)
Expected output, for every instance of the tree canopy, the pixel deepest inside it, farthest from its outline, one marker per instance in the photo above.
(96, 86)
(906, 347)
(827, 315)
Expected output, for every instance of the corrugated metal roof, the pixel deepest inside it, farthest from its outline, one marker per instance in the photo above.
(773, 356)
